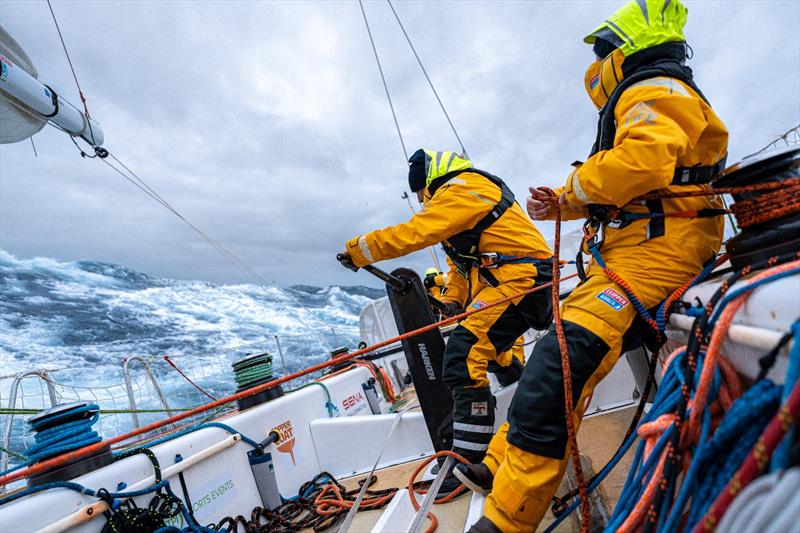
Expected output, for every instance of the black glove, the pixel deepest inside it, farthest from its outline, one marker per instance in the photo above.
(430, 281)
(450, 308)
(346, 261)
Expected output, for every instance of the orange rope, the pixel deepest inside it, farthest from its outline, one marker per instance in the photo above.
(742, 189)
(444, 499)
(764, 207)
(331, 501)
(730, 389)
(715, 344)
(567, 373)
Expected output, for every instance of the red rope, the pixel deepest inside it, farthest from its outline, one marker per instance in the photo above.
(80, 453)
(195, 385)
(567, 373)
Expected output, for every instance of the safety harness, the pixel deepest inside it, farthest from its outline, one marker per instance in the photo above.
(659, 61)
(463, 248)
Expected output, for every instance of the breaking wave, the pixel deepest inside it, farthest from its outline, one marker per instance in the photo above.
(87, 314)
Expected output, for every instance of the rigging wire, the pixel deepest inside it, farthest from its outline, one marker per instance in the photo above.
(789, 137)
(69, 60)
(383, 79)
(241, 265)
(391, 105)
(235, 260)
(425, 72)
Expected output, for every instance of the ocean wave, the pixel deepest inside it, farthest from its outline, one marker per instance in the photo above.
(57, 314)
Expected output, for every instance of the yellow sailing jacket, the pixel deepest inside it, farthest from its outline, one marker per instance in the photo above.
(662, 124)
(457, 206)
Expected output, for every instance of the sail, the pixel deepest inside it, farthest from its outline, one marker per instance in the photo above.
(16, 124)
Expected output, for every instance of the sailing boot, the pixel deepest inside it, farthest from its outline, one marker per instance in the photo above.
(476, 477)
(450, 482)
(506, 375)
(484, 525)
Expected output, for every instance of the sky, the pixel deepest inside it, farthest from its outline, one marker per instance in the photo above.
(266, 123)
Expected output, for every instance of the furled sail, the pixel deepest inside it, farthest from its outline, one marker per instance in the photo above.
(16, 124)
(26, 104)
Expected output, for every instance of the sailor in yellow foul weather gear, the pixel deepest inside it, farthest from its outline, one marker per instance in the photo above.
(495, 251)
(435, 283)
(657, 133)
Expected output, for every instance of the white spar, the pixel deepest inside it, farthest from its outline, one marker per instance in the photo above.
(36, 97)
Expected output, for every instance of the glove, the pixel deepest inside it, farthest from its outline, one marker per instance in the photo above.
(450, 308)
(346, 261)
(430, 281)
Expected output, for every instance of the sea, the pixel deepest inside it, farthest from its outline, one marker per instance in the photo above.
(79, 321)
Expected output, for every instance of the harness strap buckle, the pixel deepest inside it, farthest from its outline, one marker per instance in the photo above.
(489, 260)
(594, 234)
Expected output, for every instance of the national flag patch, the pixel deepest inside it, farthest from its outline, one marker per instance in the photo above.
(594, 81)
(613, 299)
(477, 304)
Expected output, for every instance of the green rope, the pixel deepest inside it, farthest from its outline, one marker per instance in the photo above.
(20, 411)
(332, 409)
(13, 454)
(252, 370)
(253, 374)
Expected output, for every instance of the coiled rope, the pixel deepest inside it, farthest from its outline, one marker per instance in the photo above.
(639, 506)
(57, 439)
(756, 461)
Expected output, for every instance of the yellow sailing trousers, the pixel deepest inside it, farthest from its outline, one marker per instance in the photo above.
(528, 455)
(483, 342)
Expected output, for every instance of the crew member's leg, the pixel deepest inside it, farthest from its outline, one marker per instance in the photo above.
(472, 346)
(595, 317)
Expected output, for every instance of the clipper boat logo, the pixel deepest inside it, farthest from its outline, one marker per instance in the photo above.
(286, 443)
(614, 299)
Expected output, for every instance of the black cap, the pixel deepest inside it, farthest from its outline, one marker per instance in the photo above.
(416, 171)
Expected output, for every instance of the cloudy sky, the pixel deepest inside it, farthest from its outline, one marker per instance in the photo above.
(266, 124)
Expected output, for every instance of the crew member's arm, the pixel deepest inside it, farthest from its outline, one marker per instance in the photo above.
(456, 287)
(453, 209)
(656, 125)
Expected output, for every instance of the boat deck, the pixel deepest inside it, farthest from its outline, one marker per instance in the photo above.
(599, 437)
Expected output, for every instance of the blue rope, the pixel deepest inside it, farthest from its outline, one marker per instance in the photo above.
(637, 304)
(670, 522)
(741, 290)
(721, 457)
(60, 438)
(661, 314)
(666, 399)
